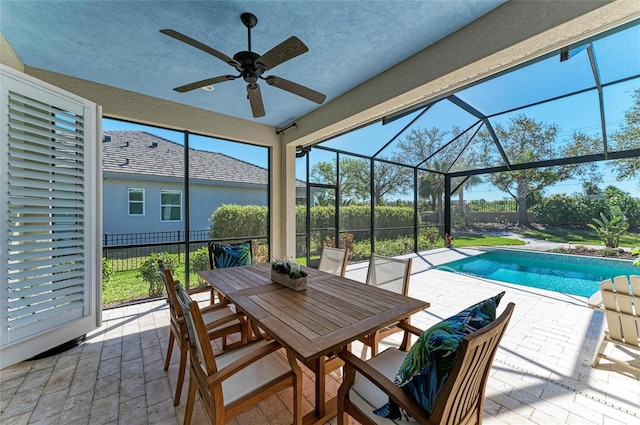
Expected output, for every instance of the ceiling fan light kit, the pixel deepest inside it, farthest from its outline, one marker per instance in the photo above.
(251, 66)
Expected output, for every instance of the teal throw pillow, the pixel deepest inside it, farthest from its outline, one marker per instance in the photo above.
(232, 255)
(430, 360)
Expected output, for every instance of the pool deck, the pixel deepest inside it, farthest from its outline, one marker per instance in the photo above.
(541, 374)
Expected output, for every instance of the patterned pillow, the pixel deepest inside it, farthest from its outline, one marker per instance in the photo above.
(232, 255)
(430, 360)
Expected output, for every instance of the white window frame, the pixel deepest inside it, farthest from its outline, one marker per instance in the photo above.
(162, 206)
(129, 201)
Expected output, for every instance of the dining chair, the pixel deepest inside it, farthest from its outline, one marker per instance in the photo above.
(220, 321)
(334, 260)
(368, 385)
(620, 302)
(230, 383)
(222, 256)
(391, 274)
(229, 255)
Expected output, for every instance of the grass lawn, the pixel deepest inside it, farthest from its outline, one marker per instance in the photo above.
(482, 240)
(578, 236)
(127, 286)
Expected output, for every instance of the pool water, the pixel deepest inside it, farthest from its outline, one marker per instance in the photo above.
(568, 274)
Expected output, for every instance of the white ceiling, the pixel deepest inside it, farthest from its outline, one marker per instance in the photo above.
(118, 44)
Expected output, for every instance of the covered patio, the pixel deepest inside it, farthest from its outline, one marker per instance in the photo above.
(541, 374)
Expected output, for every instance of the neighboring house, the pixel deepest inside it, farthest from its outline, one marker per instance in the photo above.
(144, 184)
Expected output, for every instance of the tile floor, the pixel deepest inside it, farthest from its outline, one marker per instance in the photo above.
(541, 374)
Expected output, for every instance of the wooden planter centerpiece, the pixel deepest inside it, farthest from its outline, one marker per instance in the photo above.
(283, 279)
(280, 273)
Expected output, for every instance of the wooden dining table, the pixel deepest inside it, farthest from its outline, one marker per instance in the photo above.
(314, 323)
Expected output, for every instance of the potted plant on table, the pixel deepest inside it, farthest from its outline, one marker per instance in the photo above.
(289, 273)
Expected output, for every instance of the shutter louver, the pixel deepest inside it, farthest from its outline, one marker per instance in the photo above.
(46, 217)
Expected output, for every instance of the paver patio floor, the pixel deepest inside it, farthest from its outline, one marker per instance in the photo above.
(541, 373)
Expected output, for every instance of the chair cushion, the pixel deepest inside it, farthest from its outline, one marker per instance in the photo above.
(429, 362)
(232, 255)
(248, 379)
(366, 396)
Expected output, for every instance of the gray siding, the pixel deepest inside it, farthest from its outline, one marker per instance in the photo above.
(205, 198)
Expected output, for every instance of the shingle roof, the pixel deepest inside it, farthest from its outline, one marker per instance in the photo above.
(139, 152)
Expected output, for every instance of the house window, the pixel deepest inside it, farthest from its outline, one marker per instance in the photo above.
(136, 201)
(170, 205)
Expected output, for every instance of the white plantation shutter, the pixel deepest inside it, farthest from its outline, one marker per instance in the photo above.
(50, 222)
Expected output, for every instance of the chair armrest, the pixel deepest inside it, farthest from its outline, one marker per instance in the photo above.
(595, 301)
(212, 325)
(244, 361)
(200, 289)
(213, 307)
(386, 385)
(408, 330)
(406, 326)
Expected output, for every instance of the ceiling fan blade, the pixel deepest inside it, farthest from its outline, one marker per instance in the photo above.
(295, 88)
(288, 49)
(198, 45)
(202, 83)
(255, 99)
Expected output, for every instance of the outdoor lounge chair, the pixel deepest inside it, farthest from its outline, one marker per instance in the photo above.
(620, 301)
(368, 385)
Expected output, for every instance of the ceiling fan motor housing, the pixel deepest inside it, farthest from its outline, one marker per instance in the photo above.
(250, 70)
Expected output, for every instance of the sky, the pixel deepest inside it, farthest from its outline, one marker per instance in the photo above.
(548, 78)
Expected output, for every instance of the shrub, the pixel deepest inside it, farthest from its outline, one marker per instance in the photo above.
(150, 272)
(610, 229)
(199, 260)
(432, 236)
(260, 252)
(609, 252)
(106, 271)
(230, 221)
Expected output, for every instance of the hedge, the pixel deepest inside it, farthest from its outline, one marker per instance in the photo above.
(562, 210)
(250, 220)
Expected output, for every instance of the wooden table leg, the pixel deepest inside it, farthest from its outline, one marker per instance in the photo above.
(321, 386)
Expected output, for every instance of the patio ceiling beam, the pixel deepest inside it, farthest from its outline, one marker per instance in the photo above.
(632, 153)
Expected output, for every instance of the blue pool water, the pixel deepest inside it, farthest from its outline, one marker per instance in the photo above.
(568, 274)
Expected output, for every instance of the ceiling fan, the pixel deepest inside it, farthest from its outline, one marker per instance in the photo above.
(251, 66)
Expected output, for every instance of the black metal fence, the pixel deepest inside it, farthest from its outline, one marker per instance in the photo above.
(129, 256)
(120, 239)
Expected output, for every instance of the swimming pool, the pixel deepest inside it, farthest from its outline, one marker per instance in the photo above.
(569, 274)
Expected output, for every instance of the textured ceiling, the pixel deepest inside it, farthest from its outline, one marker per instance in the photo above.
(119, 44)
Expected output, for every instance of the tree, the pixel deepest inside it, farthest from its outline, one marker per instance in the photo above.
(628, 137)
(354, 179)
(524, 140)
(390, 179)
(430, 146)
(590, 188)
